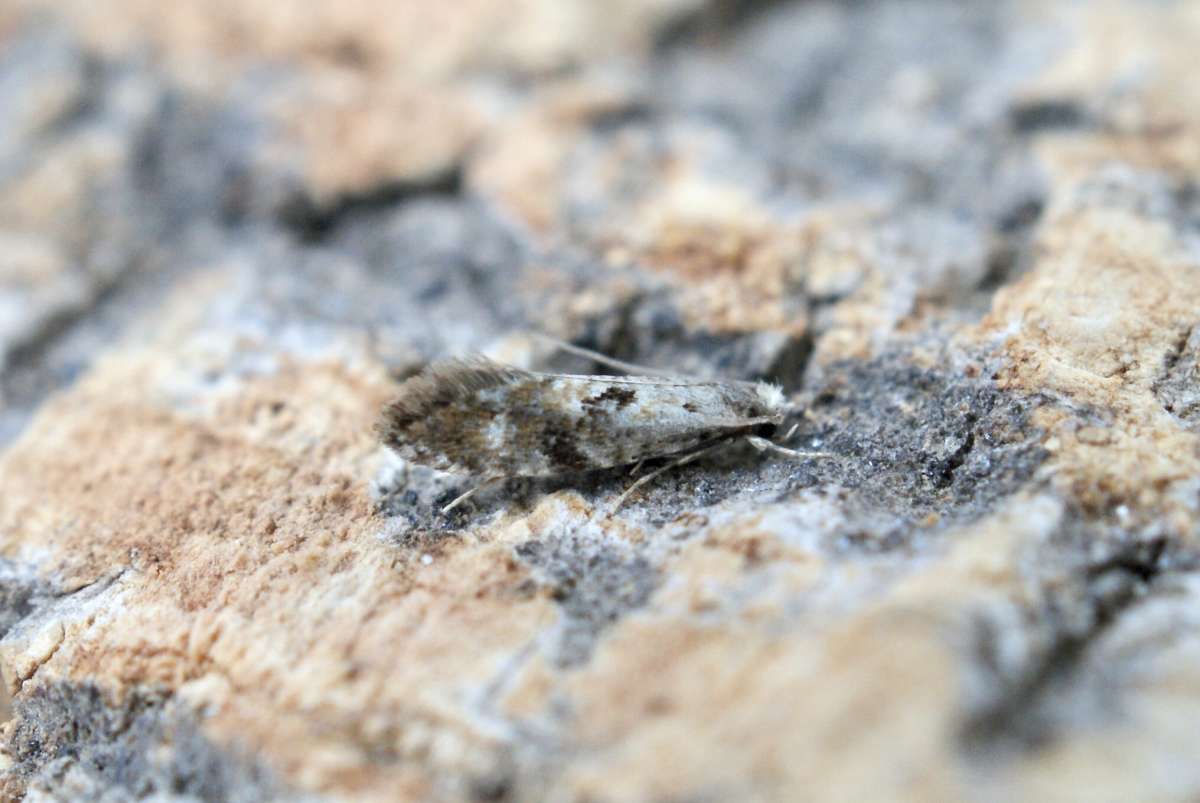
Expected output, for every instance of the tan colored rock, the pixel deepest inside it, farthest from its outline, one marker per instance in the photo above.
(199, 581)
(383, 91)
(355, 135)
(1096, 322)
(419, 37)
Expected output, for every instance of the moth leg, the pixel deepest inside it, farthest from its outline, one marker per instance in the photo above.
(458, 500)
(683, 461)
(637, 467)
(764, 445)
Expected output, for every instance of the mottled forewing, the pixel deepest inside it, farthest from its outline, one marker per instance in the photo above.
(600, 422)
(447, 417)
(480, 418)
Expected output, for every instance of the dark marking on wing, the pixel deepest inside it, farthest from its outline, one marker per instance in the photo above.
(691, 408)
(622, 397)
(561, 447)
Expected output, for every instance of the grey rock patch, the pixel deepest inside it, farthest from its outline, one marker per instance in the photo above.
(916, 442)
(595, 582)
(446, 275)
(43, 86)
(75, 742)
(1148, 194)
(22, 592)
(843, 101)
(1039, 666)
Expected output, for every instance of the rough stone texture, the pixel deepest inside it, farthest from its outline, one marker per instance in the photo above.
(74, 743)
(965, 238)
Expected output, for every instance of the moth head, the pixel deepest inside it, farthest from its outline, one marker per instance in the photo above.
(774, 404)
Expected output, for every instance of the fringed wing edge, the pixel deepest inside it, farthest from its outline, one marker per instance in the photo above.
(441, 383)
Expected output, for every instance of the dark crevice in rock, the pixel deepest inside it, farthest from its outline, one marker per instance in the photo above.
(942, 474)
(1178, 387)
(1143, 560)
(1022, 217)
(492, 788)
(1003, 265)
(74, 741)
(1050, 114)
(61, 348)
(313, 223)
(87, 104)
(30, 353)
(1186, 198)
(1176, 354)
(1019, 712)
(712, 22)
(1014, 227)
(610, 121)
(791, 361)
(1011, 250)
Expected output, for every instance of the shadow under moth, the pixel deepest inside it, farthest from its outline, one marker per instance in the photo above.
(476, 417)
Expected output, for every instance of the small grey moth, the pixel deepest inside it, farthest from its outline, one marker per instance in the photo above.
(476, 417)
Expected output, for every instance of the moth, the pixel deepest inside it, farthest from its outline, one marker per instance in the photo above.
(490, 421)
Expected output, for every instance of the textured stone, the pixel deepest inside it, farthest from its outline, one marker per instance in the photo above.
(71, 741)
(357, 95)
(964, 238)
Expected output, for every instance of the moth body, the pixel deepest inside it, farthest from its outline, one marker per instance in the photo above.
(473, 416)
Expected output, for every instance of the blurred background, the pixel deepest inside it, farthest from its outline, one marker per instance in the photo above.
(806, 173)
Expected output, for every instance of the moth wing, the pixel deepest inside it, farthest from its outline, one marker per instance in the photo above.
(602, 421)
(444, 417)
(477, 417)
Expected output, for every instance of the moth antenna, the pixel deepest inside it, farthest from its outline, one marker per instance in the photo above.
(634, 368)
(791, 432)
(764, 445)
(619, 365)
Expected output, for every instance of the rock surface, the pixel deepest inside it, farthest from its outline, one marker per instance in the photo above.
(965, 238)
